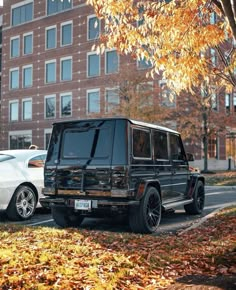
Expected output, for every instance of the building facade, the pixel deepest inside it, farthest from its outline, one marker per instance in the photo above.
(51, 73)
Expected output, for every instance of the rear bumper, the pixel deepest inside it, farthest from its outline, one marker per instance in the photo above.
(50, 202)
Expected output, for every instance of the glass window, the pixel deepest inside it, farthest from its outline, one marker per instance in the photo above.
(50, 107)
(213, 56)
(28, 43)
(50, 72)
(22, 14)
(15, 47)
(14, 78)
(112, 99)
(141, 144)
(214, 102)
(27, 109)
(86, 144)
(37, 161)
(66, 69)
(212, 147)
(55, 6)
(176, 148)
(93, 102)
(66, 100)
(51, 37)
(144, 64)
(93, 65)
(27, 76)
(227, 103)
(93, 27)
(167, 97)
(20, 141)
(14, 111)
(160, 145)
(111, 62)
(66, 34)
(47, 137)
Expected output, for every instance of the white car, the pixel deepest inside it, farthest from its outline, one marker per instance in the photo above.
(21, 182)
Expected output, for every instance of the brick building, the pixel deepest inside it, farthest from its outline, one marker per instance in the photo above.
(50, 73)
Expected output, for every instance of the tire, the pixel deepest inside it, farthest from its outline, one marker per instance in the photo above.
(66, 218)
(146, 217)
(23, 204)
(197, 206)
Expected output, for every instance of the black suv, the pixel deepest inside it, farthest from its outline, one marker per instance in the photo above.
(118, 166)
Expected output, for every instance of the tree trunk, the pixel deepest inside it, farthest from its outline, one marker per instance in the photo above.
(205, 141)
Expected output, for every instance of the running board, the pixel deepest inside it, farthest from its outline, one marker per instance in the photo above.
(176, 203)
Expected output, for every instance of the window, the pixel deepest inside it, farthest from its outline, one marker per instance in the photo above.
(28, 43)
(37, 161)
(144, 64)
(51, 37)
(27, 109)
(14, 78)
(66, 69)
(56, 6)
(47, 136)
(50, 71)
(66, 33)
(93, 64)
(213, 56)
(15, 47)
(27, 76)
(93, 101)
(22, 13)
(167, 97)
(160, 145)
(212, 147)
(93, 27)
(213, 18)
(66, 100)
(227, 103)
(20, 139)
(214, 105)
(111, 62)
(13, 114)
(176, 148)
(112, 99)
(50, 106)
(141, 144)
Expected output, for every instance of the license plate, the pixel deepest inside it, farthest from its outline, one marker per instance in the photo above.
(83, 204)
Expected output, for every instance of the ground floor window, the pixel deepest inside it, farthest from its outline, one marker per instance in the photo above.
(20, 140)
(212, 147)
(47, 136)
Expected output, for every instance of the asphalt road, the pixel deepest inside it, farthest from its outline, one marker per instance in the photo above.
(216, 197)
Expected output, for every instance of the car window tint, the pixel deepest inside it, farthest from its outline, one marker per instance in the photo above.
(160, 145)
(176, 148)
(141, 144)
(92, 143)
(4, 157)
(37, 161)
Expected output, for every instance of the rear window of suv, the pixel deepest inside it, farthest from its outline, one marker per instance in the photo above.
(91, 143)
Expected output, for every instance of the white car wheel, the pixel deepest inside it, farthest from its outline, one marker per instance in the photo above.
(23, 204)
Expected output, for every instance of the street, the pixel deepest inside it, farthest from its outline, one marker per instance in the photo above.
(216, 197)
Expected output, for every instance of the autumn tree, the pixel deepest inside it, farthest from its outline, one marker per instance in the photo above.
(173, 35)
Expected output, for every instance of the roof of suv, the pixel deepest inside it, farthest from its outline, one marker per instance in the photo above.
(135, 122)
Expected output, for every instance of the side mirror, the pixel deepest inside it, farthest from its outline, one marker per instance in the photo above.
(190, 157)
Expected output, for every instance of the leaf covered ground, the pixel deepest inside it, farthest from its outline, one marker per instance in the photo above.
(48, 258)
(226, 178)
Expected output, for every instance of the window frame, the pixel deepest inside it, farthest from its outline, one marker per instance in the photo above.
(99, 64)
(146, 130)
(53, 96)
(87, 101)
(65, 94)
(61, 68)
(23, 43)
(46, 36)
(23, 111)
(116, 89)
(70, 22)
(18, 5)
(106, 62)
(19, 133)
(16, 69)
(11, 120)
(11, 46)
(23, 76)
(52, 61)
(89, 17)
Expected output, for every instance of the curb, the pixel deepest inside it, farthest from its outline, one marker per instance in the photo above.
(203, 219)
(220, 186)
